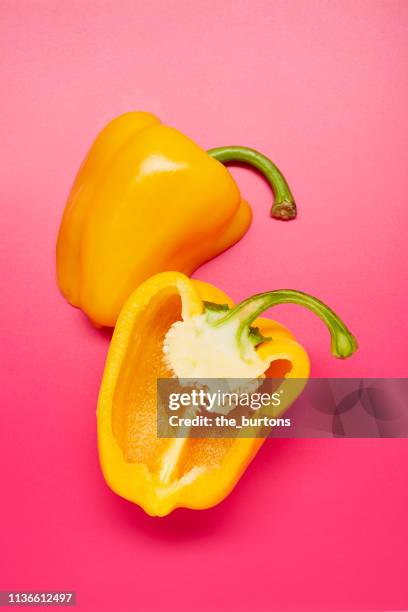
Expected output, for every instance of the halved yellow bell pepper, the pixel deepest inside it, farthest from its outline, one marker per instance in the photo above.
(148, 199)
(163, 474)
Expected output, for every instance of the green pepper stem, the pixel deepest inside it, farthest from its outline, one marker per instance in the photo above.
(284, 206)
(343, 343)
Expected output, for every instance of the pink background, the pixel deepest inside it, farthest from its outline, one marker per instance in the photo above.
(322, 87)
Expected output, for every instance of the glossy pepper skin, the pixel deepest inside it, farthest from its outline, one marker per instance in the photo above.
(134, 461)
(148, 199)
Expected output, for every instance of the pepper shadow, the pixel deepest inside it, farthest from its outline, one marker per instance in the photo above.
(184, 524)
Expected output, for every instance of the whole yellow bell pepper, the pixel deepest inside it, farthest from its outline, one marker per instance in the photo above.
(163, 474)
(148, 199)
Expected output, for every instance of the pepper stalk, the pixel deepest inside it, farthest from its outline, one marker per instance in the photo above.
(343, 343)
(284, 206)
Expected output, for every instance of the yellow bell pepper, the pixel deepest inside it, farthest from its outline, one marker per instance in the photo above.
(163, 474)
(148, 199)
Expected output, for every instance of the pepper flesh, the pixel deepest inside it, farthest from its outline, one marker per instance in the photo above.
(163, 474)
(148, 199)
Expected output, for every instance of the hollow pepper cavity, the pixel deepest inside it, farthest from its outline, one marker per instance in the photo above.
(148, 199)
(155, 337)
